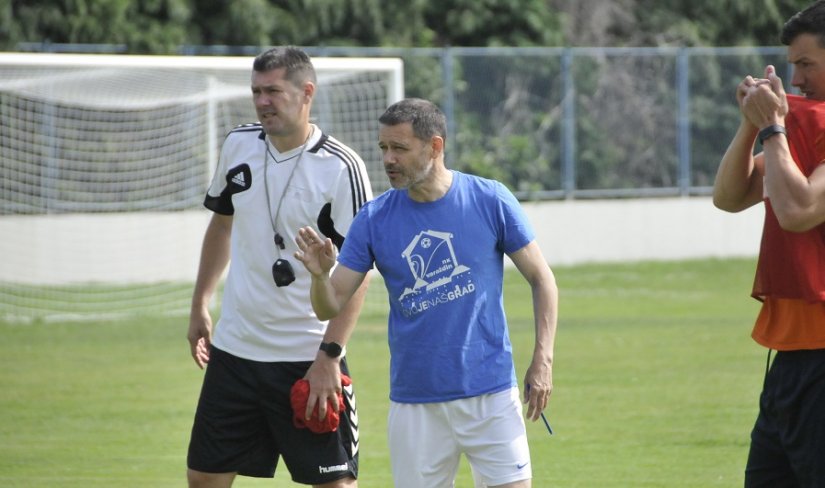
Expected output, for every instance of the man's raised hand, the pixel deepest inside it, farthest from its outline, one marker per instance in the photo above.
(317, 255)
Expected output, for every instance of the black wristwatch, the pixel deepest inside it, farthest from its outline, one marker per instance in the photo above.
(333, 349)
(769, 132)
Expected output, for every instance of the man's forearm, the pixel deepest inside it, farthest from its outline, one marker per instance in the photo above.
(545, 310)
(341, 326)
(213, 260)
(734, 187)
(323, 297)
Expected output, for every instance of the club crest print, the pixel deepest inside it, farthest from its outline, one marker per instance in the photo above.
(438, 276)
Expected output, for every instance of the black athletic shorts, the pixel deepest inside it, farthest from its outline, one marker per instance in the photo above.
(243, 424)
(788, 440)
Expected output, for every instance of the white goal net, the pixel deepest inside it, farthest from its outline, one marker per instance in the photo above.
(105, 161)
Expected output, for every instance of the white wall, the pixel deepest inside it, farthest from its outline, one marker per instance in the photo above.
(116, 248)
(577, 231)
(151, 247)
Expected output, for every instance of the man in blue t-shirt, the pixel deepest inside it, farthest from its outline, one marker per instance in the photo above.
(439, 238)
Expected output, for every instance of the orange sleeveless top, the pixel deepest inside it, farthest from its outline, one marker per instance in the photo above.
(790, 325)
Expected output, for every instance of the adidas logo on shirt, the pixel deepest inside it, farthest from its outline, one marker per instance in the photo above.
(239, 178)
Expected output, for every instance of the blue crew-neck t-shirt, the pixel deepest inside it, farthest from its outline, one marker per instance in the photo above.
(442, 264)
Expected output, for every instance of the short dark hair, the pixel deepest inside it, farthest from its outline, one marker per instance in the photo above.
(810, 20)
(299, 68)
(426, 118)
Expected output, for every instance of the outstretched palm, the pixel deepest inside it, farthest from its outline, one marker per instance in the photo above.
(317, 255)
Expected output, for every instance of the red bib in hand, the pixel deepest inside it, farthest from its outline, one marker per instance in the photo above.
(299, 394)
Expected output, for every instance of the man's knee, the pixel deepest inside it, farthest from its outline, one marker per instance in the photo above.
(199, 479)
(342, 483)
(516, 484)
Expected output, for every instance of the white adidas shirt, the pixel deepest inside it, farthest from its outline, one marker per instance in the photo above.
(260, 321)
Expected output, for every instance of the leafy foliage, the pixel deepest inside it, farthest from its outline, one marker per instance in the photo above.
(159, 26)
(717, 23)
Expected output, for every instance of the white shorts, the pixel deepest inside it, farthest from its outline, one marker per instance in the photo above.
(427, 439)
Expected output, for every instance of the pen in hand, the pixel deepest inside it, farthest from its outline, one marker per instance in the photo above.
(546, 423)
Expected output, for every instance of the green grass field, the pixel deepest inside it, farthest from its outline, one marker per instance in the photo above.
(656, 384)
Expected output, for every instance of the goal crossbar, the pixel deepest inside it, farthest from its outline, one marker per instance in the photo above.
(393, 67)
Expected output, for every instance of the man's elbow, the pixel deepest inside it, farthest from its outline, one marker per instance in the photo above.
(796, 221)
(798, 216)
(325, 314)
(725, 205)
(724, 202)
(721, 201)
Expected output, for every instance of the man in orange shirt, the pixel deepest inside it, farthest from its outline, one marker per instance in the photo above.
(788, 438)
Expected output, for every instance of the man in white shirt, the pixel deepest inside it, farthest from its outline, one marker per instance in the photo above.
(273, 177)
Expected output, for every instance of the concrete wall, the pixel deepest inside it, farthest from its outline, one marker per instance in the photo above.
(151, 247)
(109, 248)
(578, 231)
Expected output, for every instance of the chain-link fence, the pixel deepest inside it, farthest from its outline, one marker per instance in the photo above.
(570, 122)
(586, 122)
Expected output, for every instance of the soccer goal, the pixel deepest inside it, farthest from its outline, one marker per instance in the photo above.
(106, 158)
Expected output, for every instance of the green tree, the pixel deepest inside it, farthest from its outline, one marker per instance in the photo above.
(710, 23)
(144, 25)
(163, 25)
(493, 23)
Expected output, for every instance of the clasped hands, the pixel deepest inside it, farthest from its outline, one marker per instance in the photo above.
(762, 101)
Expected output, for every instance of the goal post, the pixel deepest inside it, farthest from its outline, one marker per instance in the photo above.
(106, 159)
